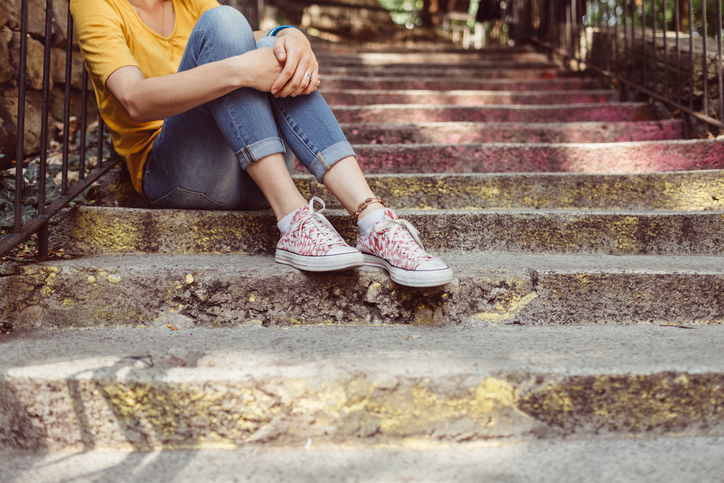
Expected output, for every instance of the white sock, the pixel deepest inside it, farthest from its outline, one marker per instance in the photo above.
(286, 223)
(366, 224)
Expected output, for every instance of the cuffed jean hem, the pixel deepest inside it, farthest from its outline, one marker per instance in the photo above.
(259, 150)
(329, 157)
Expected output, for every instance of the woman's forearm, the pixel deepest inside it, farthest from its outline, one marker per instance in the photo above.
(165, 96)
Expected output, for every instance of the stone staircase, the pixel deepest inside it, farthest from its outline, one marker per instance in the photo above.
(586, 236)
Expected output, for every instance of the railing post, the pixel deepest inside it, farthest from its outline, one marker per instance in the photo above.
(653, 28)
(68, 80)
(83, 124)
(666, 53)
(691, 55)
(720, 69)
(678, 53)
(20, 145)
(704, 59)
(42, 165)
(644, 79)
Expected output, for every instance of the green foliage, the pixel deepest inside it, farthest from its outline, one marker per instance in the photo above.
(611, 9)
(399, 11)
(32, 179)
(405, 12)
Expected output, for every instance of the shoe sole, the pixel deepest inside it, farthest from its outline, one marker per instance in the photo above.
(330, 263)
(411, 278)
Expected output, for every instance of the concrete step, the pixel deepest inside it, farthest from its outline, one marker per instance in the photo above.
(413, 113)
(701, 190)
(462, 65)
(142, 389)
(128, 230)
(359, 97)
(602, 158)
(445, 71)
(677, 191)
(490, 132)
(593, 460)
(432, 83)
(422, 59)
(346, 54)
(243, 290)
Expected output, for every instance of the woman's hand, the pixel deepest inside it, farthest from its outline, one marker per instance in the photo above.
(264, 68)
(293, 48)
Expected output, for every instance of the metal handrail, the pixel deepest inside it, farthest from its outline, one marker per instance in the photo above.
(39, 223)
(639, 66)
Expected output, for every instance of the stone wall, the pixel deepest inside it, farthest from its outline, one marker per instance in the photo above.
(9, 67)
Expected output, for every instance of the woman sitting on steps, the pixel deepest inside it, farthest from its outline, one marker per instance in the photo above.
(197, 104)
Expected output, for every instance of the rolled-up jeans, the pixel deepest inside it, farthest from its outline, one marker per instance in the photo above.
(200, 157)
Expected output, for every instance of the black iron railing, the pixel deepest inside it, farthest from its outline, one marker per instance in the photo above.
(38, 223)
(668, 50)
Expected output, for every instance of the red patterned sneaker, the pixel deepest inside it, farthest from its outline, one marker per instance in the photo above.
(313, 244)
(395, 246)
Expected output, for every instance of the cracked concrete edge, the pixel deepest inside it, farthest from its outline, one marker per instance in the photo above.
(679, 191)
(247, 291)
(124, 406)
(593, 460)
(448, 72)
(441, 83)
(488, 132)
(352, 97)
(598, 158)
(676, 191)
(602, 112)
(87, 230)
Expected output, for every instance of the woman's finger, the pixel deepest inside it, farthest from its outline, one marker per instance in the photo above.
(313, 83)
(290, 64)
(301, 79)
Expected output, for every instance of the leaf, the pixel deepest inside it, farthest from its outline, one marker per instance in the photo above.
(31, 172)
(52, 195)
(7, 219)
(31, 200)
(27, 214)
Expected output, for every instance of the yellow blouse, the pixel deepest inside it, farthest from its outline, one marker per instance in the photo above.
(111, 36)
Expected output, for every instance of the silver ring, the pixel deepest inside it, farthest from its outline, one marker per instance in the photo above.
(309, 76)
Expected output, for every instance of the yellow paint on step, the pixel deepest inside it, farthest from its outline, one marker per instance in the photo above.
(501, 313)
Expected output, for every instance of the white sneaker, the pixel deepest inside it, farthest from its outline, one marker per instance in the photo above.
(395, 246)
(314, 245)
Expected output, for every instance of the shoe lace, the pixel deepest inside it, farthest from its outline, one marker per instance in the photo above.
(402, 231)
(324, 233)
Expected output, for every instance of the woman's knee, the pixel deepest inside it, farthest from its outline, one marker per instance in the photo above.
(228, 26)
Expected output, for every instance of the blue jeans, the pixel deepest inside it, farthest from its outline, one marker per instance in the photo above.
(200, 157)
